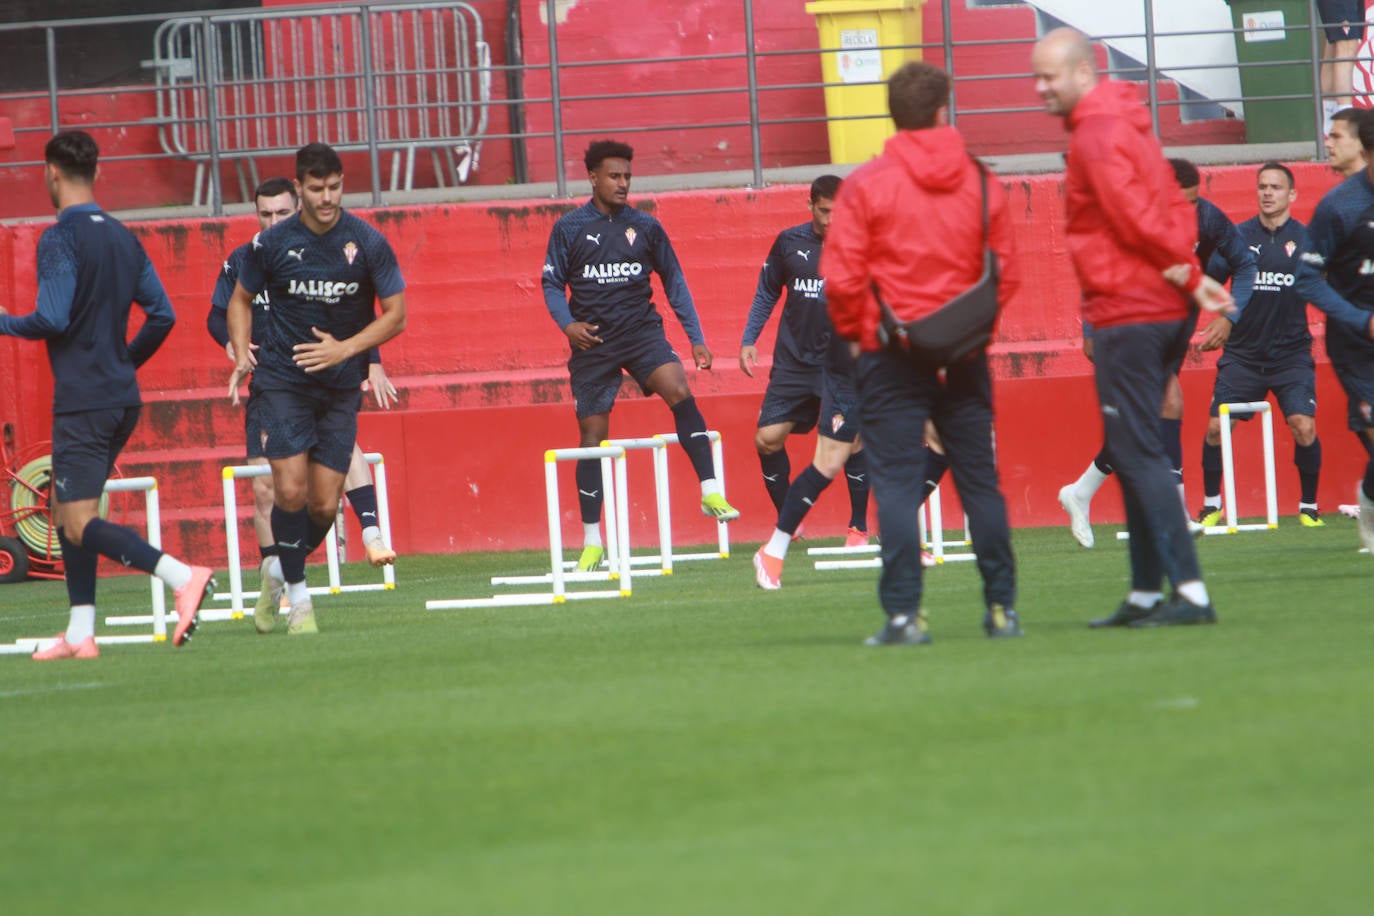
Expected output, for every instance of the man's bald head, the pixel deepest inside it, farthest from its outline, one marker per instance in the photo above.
(1064, 69)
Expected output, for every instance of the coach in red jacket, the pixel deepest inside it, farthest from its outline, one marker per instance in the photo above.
(1131, 234)
(911, 222)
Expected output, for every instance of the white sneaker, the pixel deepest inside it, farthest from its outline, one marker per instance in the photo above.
(1078, 515)
(1366, 518)
(1349, 510)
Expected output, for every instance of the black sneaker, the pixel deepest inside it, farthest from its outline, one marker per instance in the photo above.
(1209, 516)
(1001, 622)
(1176, 612)
(901, 630)
(1125, 615)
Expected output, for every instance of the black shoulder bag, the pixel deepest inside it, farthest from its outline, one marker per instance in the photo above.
(959, 327)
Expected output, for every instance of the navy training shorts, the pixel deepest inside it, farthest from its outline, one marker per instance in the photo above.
(597, 372)
(85, 446)
(1294, 385)
(318, 421)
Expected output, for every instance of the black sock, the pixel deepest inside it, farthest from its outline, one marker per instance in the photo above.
(1171, 437)
(800, 498)
(777, 473)
(1211, 470)
(936, 465)
(364, 503)
(1369, 479)
(267, 550)
(691, 435)
(1104, 463)
(120, 544)
(291, 529)
(314, 534)
(1308, 459)
(589, 495)
(79, 564)
(856, 475)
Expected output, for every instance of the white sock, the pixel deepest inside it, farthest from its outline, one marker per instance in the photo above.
(298, 592)
(1212, 502)
(1085, 487)
(1195, 592)
(591, 534)
(1144, 599)
(81, 626)
(172, 571)
(1183, 501)
(1312, 506)
(372, 535)
(273, 564)
(710, 486)
(777, 544)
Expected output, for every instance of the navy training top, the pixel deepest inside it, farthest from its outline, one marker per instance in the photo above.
(1273, 329)
(804, 329)
(1337, 266)
(91, 270)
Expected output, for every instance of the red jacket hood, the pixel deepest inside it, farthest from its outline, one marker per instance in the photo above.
(934, 158)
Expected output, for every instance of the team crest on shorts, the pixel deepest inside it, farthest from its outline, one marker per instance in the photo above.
(836, 422)
(350, 252)
(1289, 248)
(631, 235)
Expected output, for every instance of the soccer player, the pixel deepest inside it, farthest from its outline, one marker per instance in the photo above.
(1220, 244)
(275, 200)
(1343, 150)
(1131, 235)
(1270, 348)
(795, 398)
(603, 253)
(914, 224)
(1344, 30)
(1335, 276)
(90, 271)
(321, 269)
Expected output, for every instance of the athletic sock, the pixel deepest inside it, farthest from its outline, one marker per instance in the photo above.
(1368, 483)
(801, 497)
(777, 476)
(1103, 463)
(777, 544)
(314, 534)
(1195, 592)
(267, 550)
(591, 534)
(691, 435)
(856, 476)
(81, 624)
(1144, 599)
(1171, 437)
(589, 495)
(79, 564)
(1212, 502)
(372, 535)
(1211, 473)
(297, 592)
(936, 466)
(1096, 474)
(291, 530)
(120, 544)
(1308, 459)
(172, 571)
(364, 502)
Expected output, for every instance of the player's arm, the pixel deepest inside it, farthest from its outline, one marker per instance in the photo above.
(766, 294)
(239, 316)
(217, 321)
(1319, 241)
(56, 290)
(1239, 263)
(555, 284)
(328, 350)
(679, 296)
(158, 316)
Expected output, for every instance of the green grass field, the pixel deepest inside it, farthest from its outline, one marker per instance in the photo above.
(705, 747)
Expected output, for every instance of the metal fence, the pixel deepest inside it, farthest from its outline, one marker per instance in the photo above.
(404, 80)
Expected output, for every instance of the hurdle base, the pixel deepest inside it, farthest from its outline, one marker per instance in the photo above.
(537, 599)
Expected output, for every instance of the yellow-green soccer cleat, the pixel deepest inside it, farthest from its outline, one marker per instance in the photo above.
(1209, 516)
(714, 506)
(591, 558)
(1309, 518)
(269, 598)
(302, 620)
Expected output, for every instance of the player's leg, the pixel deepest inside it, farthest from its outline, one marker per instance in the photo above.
(831, 454)
(1171, 431)
(963, 417)
(856, 480)
(592, 431)
(1357, 378)
(362, 496)
(791, 405)
(668, 380)
(85, 448)
(269, 569)
(1295, 389)
(770, 442)
(1235, 383)
(1076, 498)
(291, 417)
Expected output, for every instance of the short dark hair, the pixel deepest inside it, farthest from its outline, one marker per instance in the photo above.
(915, 93)
(1365, 125)
(606, 149)
(825, 187)
(1353, 116)
(1185, 173)
(74, 153)
(1277, 167)
(318, 160)
(275, 186)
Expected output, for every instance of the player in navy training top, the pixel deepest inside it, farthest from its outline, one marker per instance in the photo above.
(1270, 348)
(275, 200)
(1219, 242)
(1337, 276)
(90, 271)
(603, 253)
(322, 269)
(796, 382)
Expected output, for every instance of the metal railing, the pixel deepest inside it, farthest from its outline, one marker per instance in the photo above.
(406, 79)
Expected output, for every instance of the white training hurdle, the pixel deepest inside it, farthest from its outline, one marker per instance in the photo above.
(930, 534)
(1228, 468)
(159, 616)
(722, 528)
(613, 484)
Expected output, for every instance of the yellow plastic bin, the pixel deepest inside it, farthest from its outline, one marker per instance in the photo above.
(852, 32)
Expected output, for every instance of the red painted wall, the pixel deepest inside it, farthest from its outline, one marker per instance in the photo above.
(484, 387)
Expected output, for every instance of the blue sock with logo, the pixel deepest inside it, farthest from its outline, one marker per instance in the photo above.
(856, 476)
(589, 495)
(292, 530)
(691, 435)
(1308, 459)
(936, 466)
(1171, 437)
(79, 564)
(364, 503)
(801, 496)
(1211, 470)
(777, 474)
(121, 545)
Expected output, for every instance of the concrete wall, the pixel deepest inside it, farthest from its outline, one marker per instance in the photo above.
(484, 388)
